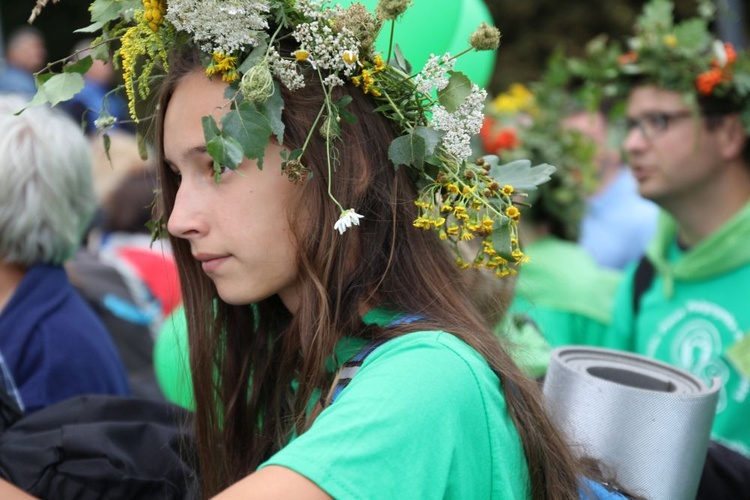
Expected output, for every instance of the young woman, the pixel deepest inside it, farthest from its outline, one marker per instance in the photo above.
(276, 301)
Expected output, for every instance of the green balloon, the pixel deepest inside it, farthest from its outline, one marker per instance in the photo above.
(436, 27)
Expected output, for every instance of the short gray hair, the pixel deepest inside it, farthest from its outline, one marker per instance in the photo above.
(46, 192)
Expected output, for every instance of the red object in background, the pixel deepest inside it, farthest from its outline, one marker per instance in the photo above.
(158, 271)
(494, 141)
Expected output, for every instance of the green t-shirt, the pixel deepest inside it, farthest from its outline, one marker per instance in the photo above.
(565, 292)
(424, 417)
(692, 327)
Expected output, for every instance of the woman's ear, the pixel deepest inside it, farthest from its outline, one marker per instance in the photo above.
(732, 137)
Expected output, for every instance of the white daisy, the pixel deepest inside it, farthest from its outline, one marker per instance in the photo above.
(347, 219)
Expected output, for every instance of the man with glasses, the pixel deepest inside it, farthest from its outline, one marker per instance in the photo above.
(687, 302)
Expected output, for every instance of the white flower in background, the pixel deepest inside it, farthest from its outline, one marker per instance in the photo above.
(433, 73)
(720, 52)
(223, 26)
(460, 125)
(347, 219)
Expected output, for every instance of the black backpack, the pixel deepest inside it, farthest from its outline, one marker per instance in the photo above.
(101, 447)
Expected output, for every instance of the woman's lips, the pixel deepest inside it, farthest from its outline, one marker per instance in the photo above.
(211, 263)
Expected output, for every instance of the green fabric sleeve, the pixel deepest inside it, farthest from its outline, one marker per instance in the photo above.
(172, 360)
(422, 418)
(621, 332)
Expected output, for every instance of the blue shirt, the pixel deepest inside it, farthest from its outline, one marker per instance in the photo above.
(17, 81)
(54, 344)
(618, 224)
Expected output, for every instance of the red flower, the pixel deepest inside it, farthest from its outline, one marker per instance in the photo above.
(707, 81)
(495, 141)
(731, 53)
(507, 139)
(627, 58)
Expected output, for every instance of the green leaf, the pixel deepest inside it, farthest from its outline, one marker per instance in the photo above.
(100, 52)
(140, 140)
(61, 87)
(408, 150)
(210, 128)
(80, 67)
(399, 61)
(107, 144)
(431, 138)
(501, 238)
(105, 10)
(255, 56)
(456, 92)
(271, 110)
(344, 113)
(225, 151)
(250, 129)
(519, 174)
(91, 28)
(692, 35)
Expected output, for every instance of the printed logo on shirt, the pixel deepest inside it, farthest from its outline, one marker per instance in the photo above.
(693, 338)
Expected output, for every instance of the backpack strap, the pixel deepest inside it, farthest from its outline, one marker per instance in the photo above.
(350, 368)
(644, 275)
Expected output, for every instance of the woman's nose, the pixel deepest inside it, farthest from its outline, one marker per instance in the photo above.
(185, 220)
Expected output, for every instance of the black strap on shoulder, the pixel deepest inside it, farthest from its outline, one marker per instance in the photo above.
(644, 275)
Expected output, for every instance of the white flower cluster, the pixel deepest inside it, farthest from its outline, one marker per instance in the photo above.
(433, 73)
(329, 50)
(223, 26)
(460, 125)
(318, 9)
(285, 70)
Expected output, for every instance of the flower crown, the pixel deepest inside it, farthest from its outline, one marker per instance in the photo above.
(436, 111)
(683, 57)
(525, 124)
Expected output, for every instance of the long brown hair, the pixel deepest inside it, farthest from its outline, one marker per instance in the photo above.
(245, 358)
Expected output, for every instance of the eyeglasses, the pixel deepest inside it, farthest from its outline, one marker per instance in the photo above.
(655, 123)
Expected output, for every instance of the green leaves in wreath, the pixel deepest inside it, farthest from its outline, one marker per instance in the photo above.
(415, 148)
(245, 132)
(519, 174)
(104, 11)
(455, 93)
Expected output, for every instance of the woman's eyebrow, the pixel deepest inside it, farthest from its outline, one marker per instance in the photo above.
(187, 154)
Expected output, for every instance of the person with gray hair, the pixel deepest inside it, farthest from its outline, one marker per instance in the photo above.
(54, 345)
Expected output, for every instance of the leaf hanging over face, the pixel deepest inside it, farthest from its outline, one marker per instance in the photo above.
(250, 128)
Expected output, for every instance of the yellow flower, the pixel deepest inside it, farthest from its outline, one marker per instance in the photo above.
(518, 98)
(670, 40)
(452, 230)
(301, 55)
(379, 63)
(513, 213)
